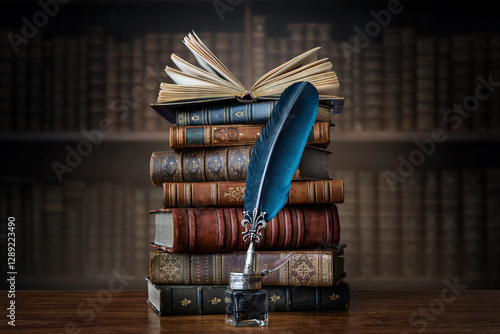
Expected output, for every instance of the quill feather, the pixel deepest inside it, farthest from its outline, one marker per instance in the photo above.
(278, 150)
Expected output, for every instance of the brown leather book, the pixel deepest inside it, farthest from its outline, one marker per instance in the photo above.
(234, 135)
(203, 194)
(226, 164)
(204, 230)
(319, 267)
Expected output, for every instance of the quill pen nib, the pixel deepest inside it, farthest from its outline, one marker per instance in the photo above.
(250, 258)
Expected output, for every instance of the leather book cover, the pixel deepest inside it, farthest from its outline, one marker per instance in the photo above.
(170, 300)
(202, 230)
(305, 267)
(210, 194)
(234, 135)
(225, 164)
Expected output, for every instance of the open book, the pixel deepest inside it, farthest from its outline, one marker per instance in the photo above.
(213, 80)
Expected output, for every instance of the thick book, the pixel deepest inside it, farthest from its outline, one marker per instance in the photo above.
(168, 300)
(202, 230)
(242, 113)
(235, 135)
(209, 194)
(214, 79)
(225, 164)
(323, 267)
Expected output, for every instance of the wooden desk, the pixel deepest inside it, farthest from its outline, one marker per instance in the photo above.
(431, 311)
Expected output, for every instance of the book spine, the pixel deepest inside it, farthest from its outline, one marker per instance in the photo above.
(493, 222)
(258, 46)
(349, 213)
(112, 72)
(295, 33)
(170, 300)
(461, 73)
(450, 232)
(96, 76)
(137, 109)
(106, 227)
(411, 225)
(7, 84)
(152, 72)
(392, 76)
(92, 230)
(480, 68)
(474, 230)
(118, 235)
(235, 135)
(408, 59)
(194, 229)
(71, 85)
(236, 54)
(389, 228)
(82, 83)
(35, 92)
(373, 88)
(73, 241)
(443, 84)
(123, 120)
(212, 194)
(426, 83)
(140, 228)
(303, 268)
(21, 89)
(494, 101)
(431, 218)
(238, 114)
(368, 225)
(54, 227)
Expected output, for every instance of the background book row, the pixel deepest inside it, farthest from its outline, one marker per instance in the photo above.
(397, 81)
(79, 229)
(436, 223)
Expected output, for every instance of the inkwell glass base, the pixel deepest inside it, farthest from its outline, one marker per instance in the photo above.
(246, 303)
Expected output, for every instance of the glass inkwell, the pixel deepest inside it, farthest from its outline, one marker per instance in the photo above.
(246, 302)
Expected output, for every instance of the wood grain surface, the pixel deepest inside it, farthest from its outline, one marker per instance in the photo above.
(402, 312)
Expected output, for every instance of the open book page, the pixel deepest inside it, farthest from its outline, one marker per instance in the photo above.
(214, 80)
(301, 60)
(208, 60)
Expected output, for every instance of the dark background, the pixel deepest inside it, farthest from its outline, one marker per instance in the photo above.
(73, 234)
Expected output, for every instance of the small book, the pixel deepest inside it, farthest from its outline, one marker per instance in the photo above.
(169, 300)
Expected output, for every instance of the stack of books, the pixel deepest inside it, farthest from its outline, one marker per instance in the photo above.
(198, 233)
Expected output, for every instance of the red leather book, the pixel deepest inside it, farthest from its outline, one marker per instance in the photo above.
(231, 193)
(205, 230)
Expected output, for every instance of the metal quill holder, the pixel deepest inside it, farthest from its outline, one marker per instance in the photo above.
(246, 303)
(275, 158)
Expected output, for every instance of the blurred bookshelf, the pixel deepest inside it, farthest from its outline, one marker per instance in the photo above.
(85, 64)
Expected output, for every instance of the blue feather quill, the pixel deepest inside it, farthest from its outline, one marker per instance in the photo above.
(278, 150)
(275, 158)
